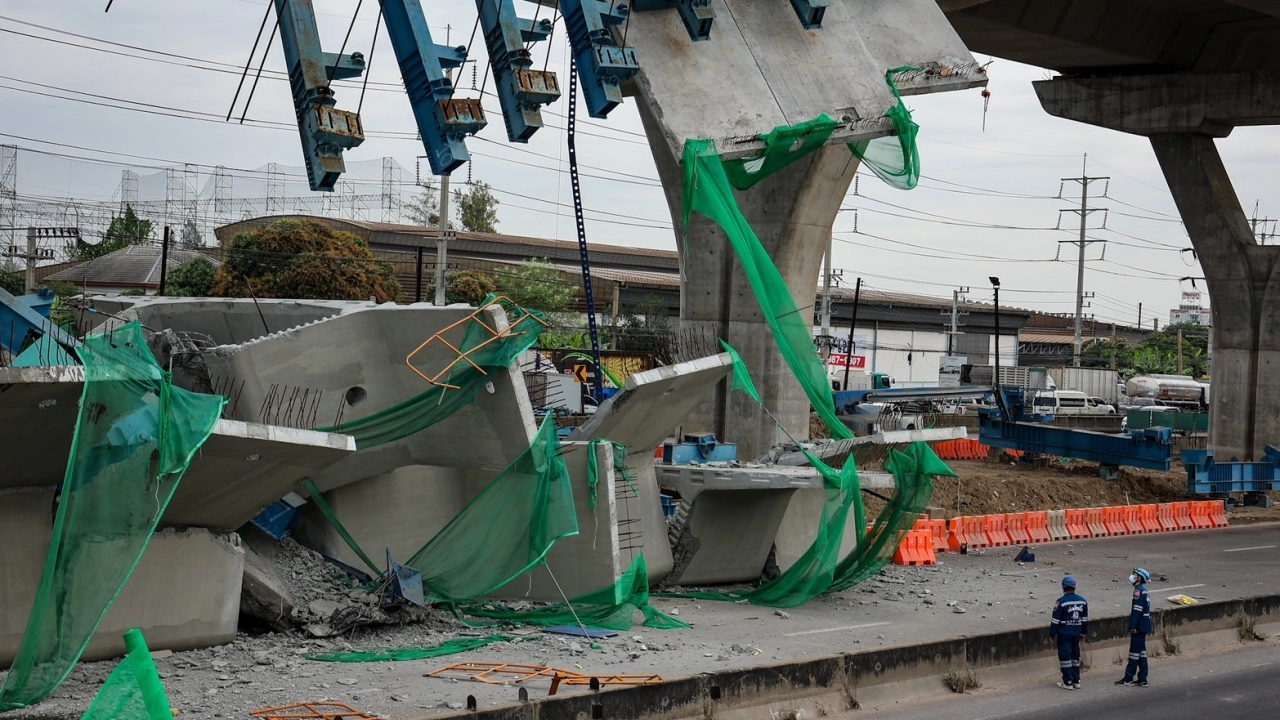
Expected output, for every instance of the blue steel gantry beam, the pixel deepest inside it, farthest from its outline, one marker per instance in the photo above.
(810, 12)
(697, 15)
(443, 122)
(602, 65)
(522, 90)
(325, 130)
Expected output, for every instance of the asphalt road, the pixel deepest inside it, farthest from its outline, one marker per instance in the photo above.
(1233, 685)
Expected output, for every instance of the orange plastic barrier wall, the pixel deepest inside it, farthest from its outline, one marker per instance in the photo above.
(1078, 524)
(993, 526)
(1038, 526)
(1016, 525)
(1133, 519)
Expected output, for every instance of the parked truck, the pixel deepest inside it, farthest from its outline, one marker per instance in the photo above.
(1176, 390)
(1100, 383)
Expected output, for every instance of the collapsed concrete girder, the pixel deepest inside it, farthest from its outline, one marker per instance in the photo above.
(1243, 277)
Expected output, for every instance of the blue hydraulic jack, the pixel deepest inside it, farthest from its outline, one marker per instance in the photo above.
(1205, 476)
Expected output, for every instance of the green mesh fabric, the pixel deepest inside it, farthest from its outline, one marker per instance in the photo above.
(430, 407)
(450, 647)
(611, 608)
(135, 435)
(913, 472)
(507, 530)
(709, 190)
(894, 159)
(133, 690)
(782, 146)
(741, 377)
(317, 498)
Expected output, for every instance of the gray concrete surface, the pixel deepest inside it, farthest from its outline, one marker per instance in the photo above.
(782, 75)
(648, 409)
(242, 468)
(902, 606)
(1235, 685)
(355, 364)
(185, 593)
(220, 321)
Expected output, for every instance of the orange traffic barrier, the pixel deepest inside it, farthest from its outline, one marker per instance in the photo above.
(993, 526)
(1078, 523)
(1200, 514)
(916, 549)
(1182, 515)
(1058, 525)
(1149, 516)
(1097, 526)
(1164, 516)
(1038, 526)
(1113, 521)
(973, 530)
(1133, 519)
(955, 534)
(938, 533)
(1016, 525)
(1217, 511)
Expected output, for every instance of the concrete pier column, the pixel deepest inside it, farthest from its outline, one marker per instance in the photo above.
(792, 212)
(1244, 284)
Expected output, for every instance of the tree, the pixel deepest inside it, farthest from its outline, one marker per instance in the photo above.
(304, 260)
(467, 286)
(477, 208)
(424, 209)
(538, 285)
(192, 238)
(645, 327)
(193, 278)
(124, 230)
(13, 282)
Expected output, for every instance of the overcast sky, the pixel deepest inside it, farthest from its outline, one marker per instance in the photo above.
(931, 240)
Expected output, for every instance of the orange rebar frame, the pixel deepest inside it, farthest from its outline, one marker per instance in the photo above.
(494, 335)
(511, 673)
(313, 711)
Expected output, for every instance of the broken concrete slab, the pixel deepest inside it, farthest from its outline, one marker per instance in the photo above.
(185, 592)
(834, 452)
(645, 412)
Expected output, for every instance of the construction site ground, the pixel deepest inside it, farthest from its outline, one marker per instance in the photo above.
(981, 592)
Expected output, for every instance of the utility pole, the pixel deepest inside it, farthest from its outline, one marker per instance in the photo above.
(164, 258)
(36, 253)
(31, 260)
(1179, 351)
(853, 322)
(1256, 221)
(955, 317)
(1113, 346)
(1139, 316)
(1084, 211)
(826, 304)
(442, 240)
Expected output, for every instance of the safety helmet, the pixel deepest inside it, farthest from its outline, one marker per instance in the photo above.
(1068, 582)
(1142, 575)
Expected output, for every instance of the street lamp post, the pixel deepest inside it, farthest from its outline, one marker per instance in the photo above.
(995, 284)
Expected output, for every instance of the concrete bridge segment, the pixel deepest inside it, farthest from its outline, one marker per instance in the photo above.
(1181, 74)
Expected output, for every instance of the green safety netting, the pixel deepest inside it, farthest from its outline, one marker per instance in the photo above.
(612, 608)
(507, 530)
(708, 189)
(593, 469)
(449, 647)
(133, 690)
(894, 159)
(135, 435)
(430, 407)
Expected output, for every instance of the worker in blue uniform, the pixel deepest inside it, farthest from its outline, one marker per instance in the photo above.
(1069, 625)
(1135, 673)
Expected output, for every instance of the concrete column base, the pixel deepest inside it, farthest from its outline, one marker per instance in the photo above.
(184, 594)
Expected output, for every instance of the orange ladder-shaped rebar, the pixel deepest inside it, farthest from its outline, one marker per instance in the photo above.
(465, 355)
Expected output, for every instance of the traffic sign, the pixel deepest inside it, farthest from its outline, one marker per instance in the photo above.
(582, 373)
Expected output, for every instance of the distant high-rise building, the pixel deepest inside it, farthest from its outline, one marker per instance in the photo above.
(1191, 311)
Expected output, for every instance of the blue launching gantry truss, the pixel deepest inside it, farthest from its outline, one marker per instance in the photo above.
(443, 122)
(326, 131)
(521, 89)
(697, 15)
(602, 65)
(1255, 479)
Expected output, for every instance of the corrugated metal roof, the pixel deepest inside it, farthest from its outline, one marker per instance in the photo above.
(1052, 339)
(136, 266)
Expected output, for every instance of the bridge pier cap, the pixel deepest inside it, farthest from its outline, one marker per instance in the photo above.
(1182, 114)
(761, 69)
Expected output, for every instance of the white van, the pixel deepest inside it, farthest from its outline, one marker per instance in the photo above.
(1069, 402)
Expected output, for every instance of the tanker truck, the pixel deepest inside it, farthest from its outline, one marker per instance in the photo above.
(1176, 390)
